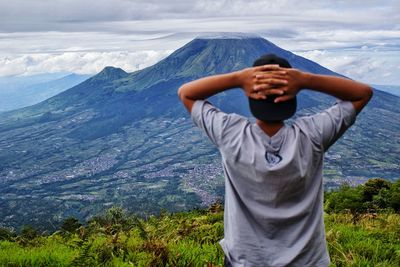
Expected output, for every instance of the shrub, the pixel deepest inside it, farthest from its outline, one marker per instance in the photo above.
(70, 225)
(7, 233)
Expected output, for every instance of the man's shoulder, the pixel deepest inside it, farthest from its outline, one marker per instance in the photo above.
(204, 105)
(219, 126)
(326, 126)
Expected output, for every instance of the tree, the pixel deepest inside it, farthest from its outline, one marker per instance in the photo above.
(373, 186)
(394, 201)
(382, 199)
(346, 199)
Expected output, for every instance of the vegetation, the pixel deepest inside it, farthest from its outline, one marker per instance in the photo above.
(116, 238)
(376, 195)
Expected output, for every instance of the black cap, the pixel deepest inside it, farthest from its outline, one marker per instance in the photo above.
(266, 109)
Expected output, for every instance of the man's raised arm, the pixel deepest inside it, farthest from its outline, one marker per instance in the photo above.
(211, 85)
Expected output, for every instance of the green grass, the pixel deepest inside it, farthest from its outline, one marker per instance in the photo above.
(374, 241)
(191, 239)
(47, 251)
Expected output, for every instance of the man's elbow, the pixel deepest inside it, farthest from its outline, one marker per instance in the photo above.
(187, 102)
(364, 98)
(369, 93)
(181, 93)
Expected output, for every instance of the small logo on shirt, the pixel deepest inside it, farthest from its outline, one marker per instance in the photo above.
(272, 159)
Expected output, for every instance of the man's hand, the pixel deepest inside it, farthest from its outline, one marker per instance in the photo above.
(345, 89)
(270, 82)
(208, 86)
(294, 83)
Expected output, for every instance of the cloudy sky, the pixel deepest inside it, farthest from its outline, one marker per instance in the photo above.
(359, 38)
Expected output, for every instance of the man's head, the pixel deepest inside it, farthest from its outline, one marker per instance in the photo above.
(265, 109)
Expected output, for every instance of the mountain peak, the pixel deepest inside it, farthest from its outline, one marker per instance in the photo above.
(111, 73)
(227, 35)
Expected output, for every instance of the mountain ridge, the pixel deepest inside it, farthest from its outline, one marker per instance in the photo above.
(200, 57)
(180, 66)
(111, 73)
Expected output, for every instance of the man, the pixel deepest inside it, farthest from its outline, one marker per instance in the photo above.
(273, 171)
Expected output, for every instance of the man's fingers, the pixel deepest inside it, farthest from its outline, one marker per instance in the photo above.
(265, 94)
(269, 84)
(257, 95)
(271, 81)
(264, 74)
(273, 92)
(268, 67)
(283, 98)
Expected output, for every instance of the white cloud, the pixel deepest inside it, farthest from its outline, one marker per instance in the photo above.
(358, 64)
(56, 34)
(79, 62)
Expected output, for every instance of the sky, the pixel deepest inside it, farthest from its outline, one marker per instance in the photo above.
(359, 38)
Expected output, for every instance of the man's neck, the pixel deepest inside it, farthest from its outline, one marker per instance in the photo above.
(270, 128)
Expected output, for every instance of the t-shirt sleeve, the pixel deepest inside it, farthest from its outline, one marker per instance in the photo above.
(326, 127)
(216, 124)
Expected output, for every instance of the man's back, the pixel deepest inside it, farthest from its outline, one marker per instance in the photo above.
(273, 185)
(273, 197)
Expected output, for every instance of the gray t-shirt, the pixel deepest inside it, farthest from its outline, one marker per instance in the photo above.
(273, 185)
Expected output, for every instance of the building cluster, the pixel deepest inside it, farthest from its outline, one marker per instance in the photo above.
(203, 180)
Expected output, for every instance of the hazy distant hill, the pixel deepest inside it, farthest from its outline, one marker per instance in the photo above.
(18, 92)
(124, 138)
(392, 89)
(18, 81)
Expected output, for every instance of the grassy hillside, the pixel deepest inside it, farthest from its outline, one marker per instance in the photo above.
(362, 229)
(187, 239)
